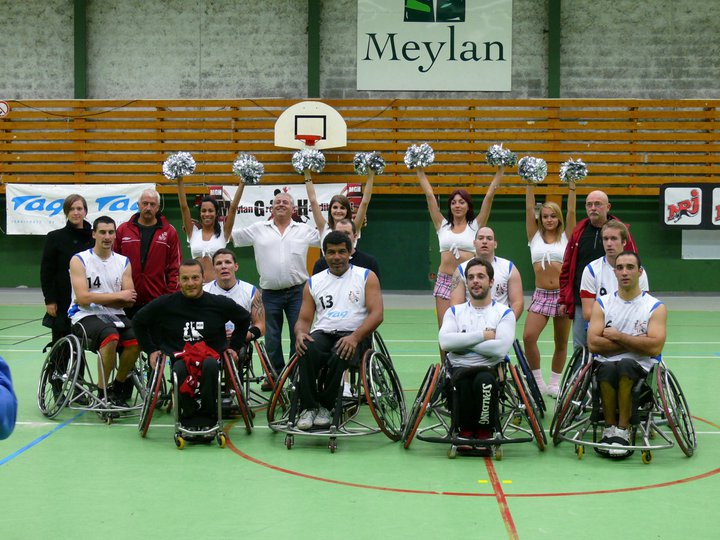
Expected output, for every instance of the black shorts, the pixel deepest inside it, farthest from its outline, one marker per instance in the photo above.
(95, 332)
(611, 372)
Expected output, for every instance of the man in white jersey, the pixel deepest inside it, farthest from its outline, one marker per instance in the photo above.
(507, 286)
(245, 294)
(477, 335)
(347, 306)
(102, 286)
(627, 331)
(598, 277)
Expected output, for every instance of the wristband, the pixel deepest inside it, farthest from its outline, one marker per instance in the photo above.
(255, 331)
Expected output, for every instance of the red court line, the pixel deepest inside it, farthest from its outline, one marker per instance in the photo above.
(257, 461)
(706, 421)
(501, 500)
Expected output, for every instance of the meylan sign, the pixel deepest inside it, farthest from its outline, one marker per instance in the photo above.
(461, 45)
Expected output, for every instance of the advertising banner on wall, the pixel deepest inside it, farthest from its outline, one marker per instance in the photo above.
(38, 208)
(690, 206)
(256, 202)
(450, 45)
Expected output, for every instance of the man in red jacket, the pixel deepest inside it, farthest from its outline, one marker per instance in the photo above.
(585, 245)
(152, 246)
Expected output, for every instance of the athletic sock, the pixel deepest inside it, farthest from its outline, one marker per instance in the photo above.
(537, 373)
(555, 378)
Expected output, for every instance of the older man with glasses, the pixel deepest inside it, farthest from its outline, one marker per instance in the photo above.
(585, 245)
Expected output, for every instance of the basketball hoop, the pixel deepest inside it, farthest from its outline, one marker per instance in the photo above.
(309, 140)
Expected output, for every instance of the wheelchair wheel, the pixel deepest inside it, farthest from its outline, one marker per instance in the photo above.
(574, 402)
(234, 385)
(378, 344)
(267, 367)
(579, 358)
(59, 375)
(283, 396)
(676, 410)
(531, 412)
(530, 381)
(153, 394)
(420, 405)
(384, 394)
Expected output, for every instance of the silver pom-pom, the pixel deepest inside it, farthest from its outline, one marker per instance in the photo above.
(368, 160)
(248, 168)
(419, 156)
(532, 169)
(178, 165)
(574, 171)
(497, 155)
(308, 159)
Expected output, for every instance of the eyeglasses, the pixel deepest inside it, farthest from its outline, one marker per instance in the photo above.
(593, 204)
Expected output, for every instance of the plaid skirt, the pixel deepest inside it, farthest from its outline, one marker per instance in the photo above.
(545, 302)
(442, 285)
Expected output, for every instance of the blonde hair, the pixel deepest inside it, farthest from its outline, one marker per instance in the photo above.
(555, 209)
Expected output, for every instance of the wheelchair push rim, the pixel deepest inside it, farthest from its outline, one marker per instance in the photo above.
(421, 403)
(384, 394)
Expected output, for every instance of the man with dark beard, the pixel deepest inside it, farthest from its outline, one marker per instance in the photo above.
(477, 335)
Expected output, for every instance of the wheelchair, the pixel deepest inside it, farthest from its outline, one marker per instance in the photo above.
(534, 390)
(518, 414)
(375, 383)
(67, 381)
(251, 377)
(163, 390)
(660, 412)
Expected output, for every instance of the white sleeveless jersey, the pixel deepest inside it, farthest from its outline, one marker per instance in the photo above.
(103, 276)
(502, 269)
(629, 317)
(339, 300)
(242, 292)
(598, 279)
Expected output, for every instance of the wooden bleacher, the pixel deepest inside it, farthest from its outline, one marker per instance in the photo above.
(630, 146)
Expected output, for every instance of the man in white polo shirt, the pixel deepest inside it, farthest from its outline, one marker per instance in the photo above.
(281, 246)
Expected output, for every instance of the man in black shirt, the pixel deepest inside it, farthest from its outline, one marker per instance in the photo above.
(189, 326)
(357, 258)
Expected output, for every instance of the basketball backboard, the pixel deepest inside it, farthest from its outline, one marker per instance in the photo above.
(310, 124)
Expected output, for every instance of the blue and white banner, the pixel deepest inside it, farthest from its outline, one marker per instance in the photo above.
(38, 208)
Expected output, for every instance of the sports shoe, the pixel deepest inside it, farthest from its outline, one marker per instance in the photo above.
(466, 434)
(607, 434)
(483, 433)
(347, 390)
(552, 390)
(323, 418)
(307, 417)
(619, 441)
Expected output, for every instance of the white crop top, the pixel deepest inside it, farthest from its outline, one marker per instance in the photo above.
(542, 252)
(456, 242)
(205, 248)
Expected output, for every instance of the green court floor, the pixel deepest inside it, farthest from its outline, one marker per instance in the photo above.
(75, 477)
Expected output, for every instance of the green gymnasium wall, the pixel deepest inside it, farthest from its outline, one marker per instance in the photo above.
(399, 233)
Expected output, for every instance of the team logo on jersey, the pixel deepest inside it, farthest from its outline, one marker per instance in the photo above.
(639, 328)
(500, 290)
(163, 237)
(353, 296)
(191, 332)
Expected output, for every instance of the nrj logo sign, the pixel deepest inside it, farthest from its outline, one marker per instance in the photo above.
(683, 206)
(434, 45)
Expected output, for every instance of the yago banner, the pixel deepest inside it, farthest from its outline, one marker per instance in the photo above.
(256, 202)
(37, 208)
(462, 45)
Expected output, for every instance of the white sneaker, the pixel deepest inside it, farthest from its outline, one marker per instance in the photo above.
(620, 439)
(323, 418)
(607, 434)
(553, 390)
(306, 420)
(347, 390)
